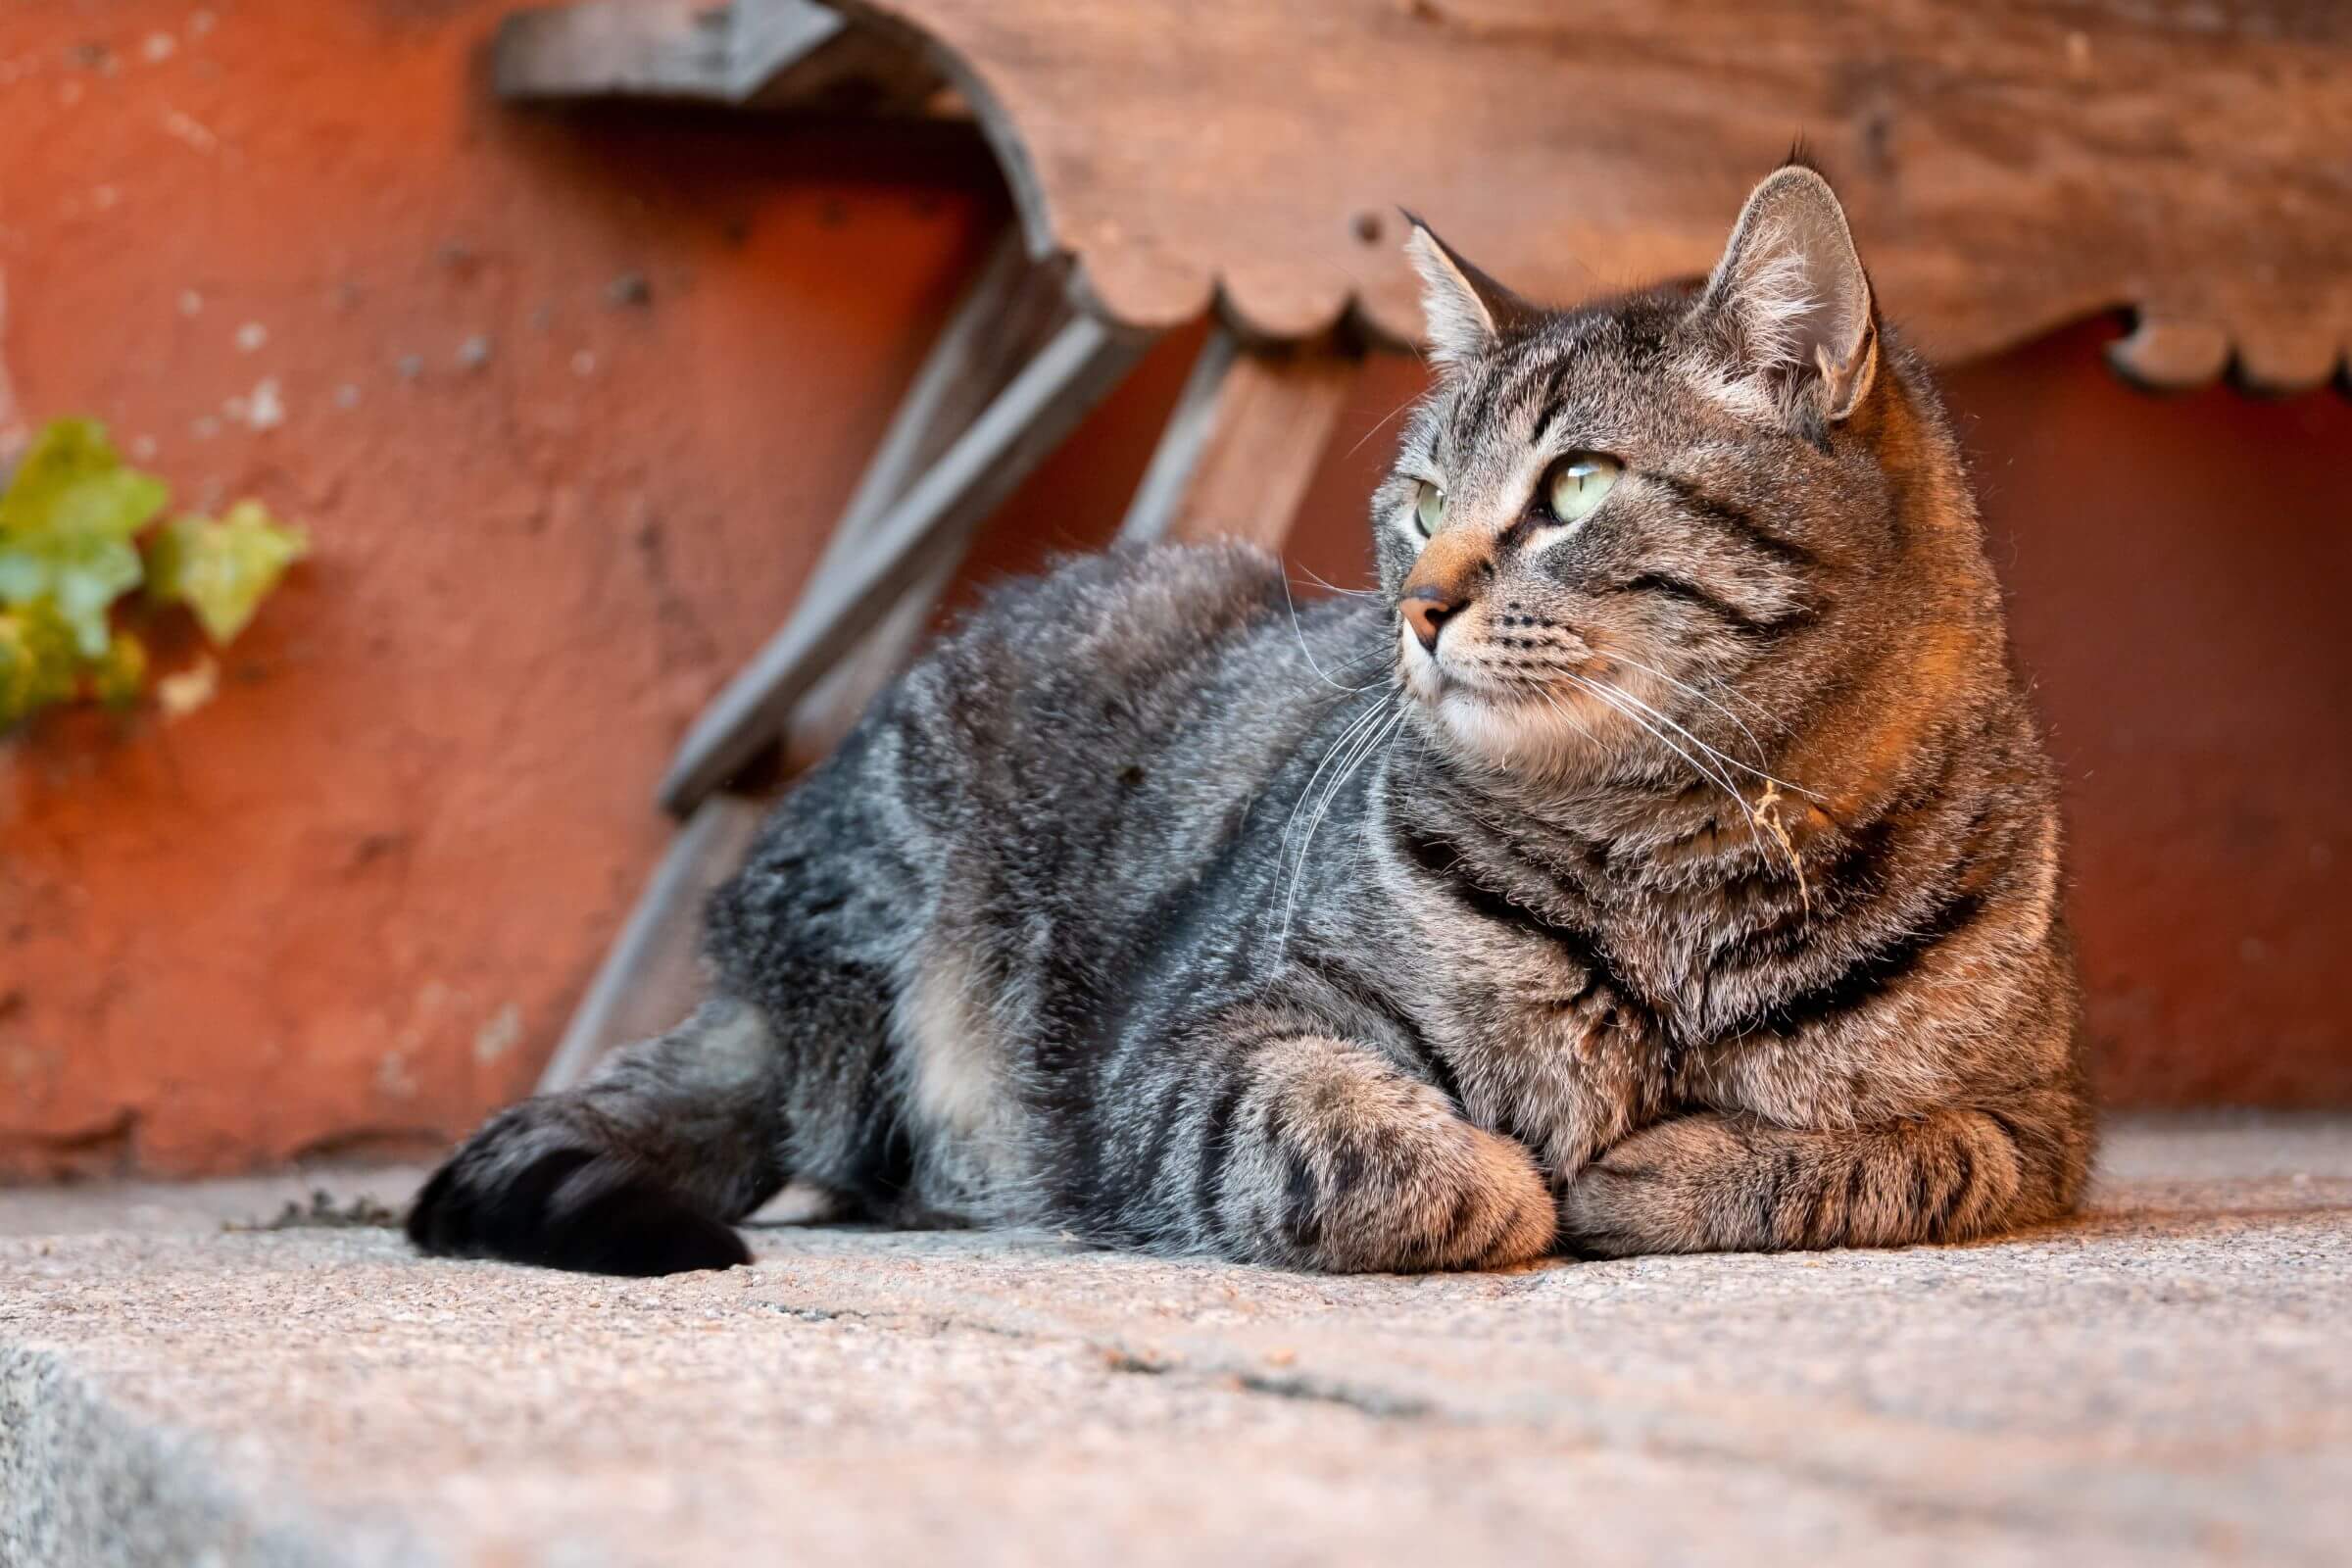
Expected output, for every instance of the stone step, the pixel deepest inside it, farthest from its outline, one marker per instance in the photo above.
(2167, 1380)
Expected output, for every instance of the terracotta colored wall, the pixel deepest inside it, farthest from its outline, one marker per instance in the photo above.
(353, 899)
(349, 904)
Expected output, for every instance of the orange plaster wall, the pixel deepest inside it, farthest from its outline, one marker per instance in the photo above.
(352, 900)
(349, 904)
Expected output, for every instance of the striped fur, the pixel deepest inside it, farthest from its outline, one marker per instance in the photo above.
(1700, 890)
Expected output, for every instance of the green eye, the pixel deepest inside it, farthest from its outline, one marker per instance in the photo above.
(1429, 508)
(1579, 482)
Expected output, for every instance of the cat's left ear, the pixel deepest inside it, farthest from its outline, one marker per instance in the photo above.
(1792, 297)
(1467, 312)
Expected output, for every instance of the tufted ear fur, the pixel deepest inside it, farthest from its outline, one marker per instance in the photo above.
(1467, 312)
(1793, 301)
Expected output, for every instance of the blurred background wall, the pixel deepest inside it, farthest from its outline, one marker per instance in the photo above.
(569, 407)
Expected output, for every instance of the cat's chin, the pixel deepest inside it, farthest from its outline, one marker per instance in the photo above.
(1530, 732)
(1534, 734)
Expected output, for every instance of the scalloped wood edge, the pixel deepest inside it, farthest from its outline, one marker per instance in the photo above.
(2164, 355)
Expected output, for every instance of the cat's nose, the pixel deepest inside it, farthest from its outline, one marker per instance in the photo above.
(1444, 581)
(1426, 610)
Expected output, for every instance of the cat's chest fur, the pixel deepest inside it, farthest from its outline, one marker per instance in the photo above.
(1544, 1030)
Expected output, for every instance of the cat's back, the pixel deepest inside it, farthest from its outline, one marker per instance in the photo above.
(1147, 685)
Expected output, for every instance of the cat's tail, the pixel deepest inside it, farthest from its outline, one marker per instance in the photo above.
(641, 1170)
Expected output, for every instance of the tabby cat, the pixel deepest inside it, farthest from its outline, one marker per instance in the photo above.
(1664, 859)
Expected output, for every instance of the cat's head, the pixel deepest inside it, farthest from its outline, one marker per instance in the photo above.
(1661, 512)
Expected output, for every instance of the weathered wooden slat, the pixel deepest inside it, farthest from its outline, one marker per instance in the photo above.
(1082, 361)
(744, 54)
(2278, 365)
(1274, 418)
(1006, 312)
(2171, 355)
(652, 974)
(1007, 315)
(1243, 443)
(822, 719)
(1160, 494)
(686, 49)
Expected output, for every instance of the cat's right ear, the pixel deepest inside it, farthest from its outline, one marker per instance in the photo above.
(1793, 298)
(1467, 312)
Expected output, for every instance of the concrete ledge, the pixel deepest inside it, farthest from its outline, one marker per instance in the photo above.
(2168, 1380)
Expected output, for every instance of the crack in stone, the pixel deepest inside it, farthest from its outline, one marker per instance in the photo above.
(1375, 1402)
(1118, 1357)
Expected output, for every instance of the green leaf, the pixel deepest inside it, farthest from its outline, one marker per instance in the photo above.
(223, 570)
(118, 678)
(65, 526)
(39, 663)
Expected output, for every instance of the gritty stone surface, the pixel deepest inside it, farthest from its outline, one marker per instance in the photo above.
(2167, 1380)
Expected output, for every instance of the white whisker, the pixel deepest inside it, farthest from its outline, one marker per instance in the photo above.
(1727, 761)
(1384, 422)
(1621, 701)
(1362, 747)
(1369, 716)
(1326, 583)
(1758, 826)
(1615, 655)
(1299, 632)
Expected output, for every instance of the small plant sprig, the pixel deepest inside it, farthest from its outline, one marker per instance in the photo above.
(78, 534)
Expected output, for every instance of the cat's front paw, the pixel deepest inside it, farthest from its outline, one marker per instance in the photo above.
(1649, 1192)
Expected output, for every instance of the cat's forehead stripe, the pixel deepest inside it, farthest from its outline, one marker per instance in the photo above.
(1523, 387)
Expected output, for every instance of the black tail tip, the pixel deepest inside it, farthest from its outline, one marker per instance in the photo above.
(558, 1213)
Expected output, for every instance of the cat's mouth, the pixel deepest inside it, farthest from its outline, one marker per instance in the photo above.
(1512, 713)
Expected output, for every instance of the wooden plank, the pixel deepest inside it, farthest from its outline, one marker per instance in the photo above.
(2169, 355)
(1010, 313)
(1012, 307)
(840, 698)
(1243, 444)
(2009, 165)
(1160, 494)
(683, 49)
(1085, 358)
(652, 976)
(747, 54)
(2281, 365)
(1006, 312)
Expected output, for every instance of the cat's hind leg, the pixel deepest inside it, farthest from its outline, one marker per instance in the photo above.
(1312, 1153)
(641, 1170)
